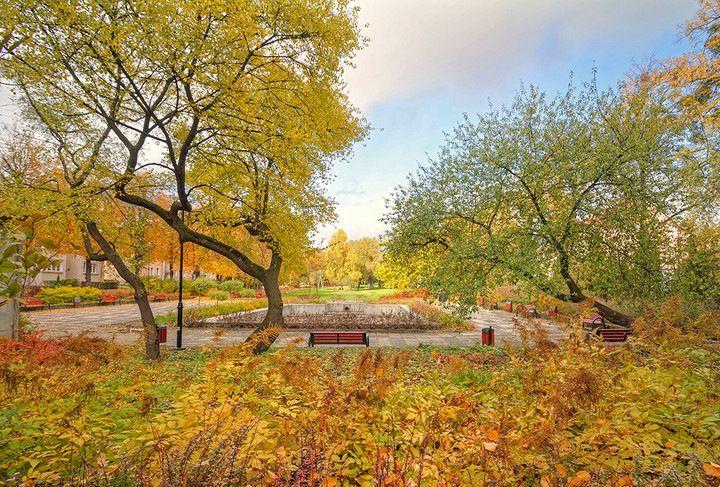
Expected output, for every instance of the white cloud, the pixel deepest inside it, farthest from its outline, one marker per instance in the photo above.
(359, 216)
(417, 45)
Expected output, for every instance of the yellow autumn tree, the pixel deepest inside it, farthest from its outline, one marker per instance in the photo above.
(239, 107)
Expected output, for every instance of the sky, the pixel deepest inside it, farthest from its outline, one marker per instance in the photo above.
(430, 61)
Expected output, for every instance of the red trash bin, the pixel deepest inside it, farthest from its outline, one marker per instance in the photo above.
(488, 336)
(508, 306)
(162, 333)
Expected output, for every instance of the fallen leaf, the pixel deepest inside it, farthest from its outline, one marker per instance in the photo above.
(545, 482)
(623, 481)
(562, 471)
(489, 446)
(493, 435)
(670, 444)
(712, 469)
(580, 478)
(330, 481)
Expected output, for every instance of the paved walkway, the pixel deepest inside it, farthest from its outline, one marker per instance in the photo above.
(121, 323)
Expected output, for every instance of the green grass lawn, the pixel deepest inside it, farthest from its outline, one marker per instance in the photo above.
(334, 293)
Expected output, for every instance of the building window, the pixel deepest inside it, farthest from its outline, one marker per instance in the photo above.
(55, 268)
(94, 268)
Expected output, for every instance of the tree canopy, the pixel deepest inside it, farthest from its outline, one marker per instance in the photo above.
(578, 196)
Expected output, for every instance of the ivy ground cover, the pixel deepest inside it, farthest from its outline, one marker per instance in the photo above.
(79, 411)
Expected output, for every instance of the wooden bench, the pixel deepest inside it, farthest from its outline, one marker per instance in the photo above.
(338, 338)
(159, 297)
(493, 304)
(108, 299)
(593, 319)
(526, 310)
(34, 303)
(613, 334)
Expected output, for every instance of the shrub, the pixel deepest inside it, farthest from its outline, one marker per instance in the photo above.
(66, 294)
(245, 293)
(232, 286)
(201, 286)
(218, 295)
(63, 283)
(168, 286)
(105, 285)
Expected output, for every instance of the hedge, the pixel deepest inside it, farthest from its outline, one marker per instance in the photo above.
(66, 294)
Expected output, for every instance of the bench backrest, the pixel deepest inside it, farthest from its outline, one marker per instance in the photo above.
(338, 338)
(614, 334)
(594, 319)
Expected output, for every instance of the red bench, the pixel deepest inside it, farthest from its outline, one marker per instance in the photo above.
(108, 299)
(338, 338)
(493, 304)
(159, 297)
(613, 334)
(34, 303)
(593, 319)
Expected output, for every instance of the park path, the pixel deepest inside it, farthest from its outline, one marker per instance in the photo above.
(121, 324)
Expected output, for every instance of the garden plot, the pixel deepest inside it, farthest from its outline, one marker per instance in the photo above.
(332, 316)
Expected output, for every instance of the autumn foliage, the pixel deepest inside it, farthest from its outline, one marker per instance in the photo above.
(644, 414)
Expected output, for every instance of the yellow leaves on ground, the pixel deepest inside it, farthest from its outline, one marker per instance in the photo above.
(712, 469)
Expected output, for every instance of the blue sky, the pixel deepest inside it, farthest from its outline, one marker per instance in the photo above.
(430, 61)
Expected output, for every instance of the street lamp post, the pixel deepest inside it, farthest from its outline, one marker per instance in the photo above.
(180, 303)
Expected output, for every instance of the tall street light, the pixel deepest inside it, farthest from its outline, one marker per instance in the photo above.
(180, 303)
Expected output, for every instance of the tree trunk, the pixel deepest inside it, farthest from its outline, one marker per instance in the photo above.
(614, 316)
(576, 296)
(88, 270)
(262, 338)
(152, 344)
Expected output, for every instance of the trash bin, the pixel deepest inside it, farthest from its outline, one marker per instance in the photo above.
(552, 312)
(77, 301)
(162, 333)
(481, 301)
(488, 336)
(508, 305)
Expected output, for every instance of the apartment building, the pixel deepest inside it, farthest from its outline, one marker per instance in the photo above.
(71, 267)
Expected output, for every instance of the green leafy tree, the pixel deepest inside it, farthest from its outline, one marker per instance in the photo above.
(336, 257)
(365, 255)
(578, 196)
(698, 274)
(238, 107)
